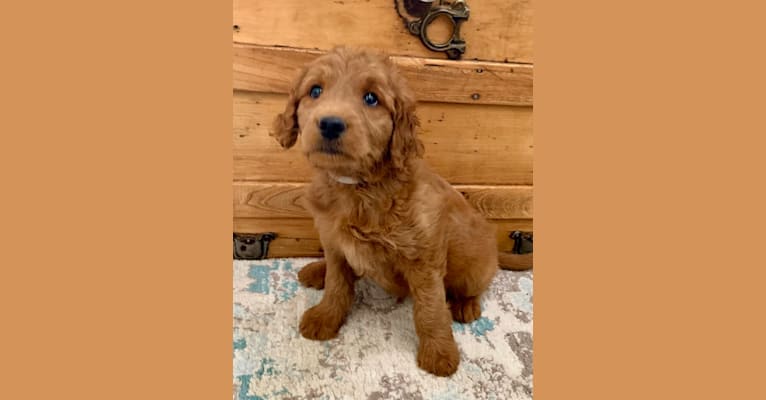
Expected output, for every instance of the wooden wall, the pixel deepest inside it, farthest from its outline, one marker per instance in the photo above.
(476, 113)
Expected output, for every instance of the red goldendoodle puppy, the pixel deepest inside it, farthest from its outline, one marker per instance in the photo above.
(380, 211)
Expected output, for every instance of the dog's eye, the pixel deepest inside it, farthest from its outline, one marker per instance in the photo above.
(315, 91)
(370, 99)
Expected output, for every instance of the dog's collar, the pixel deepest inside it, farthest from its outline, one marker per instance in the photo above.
(346, 180)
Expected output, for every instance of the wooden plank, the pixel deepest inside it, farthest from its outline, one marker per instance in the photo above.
(272, 70)
(285, 200)
(465, 144)
(500, 202)
(295, 237)
(269, 200)
(299, 238)
(497, 30)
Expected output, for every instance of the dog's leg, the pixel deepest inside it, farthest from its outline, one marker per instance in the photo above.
(323, 321)
(312, 275)
(437, 350)
(470, 269)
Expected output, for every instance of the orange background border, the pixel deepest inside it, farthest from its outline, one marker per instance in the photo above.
(648, 200)
(117, 200)
(116, 165)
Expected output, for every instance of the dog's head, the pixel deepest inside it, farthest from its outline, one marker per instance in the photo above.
(352, 114)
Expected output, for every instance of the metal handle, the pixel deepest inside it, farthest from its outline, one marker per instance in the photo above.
(457, 11)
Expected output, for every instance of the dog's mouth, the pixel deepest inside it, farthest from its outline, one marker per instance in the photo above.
(330, 158)
(330, 148)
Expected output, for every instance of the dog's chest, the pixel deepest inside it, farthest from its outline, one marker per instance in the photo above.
(366, 259)
(373, 262)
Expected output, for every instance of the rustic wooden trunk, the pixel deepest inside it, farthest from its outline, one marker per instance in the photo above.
(476, 113)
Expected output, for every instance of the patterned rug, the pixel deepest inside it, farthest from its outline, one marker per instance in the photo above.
(373, 356)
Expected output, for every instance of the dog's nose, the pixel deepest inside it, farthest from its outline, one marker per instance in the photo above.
(331, 127)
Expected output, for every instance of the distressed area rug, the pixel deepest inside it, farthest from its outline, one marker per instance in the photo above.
(373, 356)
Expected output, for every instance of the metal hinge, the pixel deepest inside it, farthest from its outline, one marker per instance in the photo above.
(252, 246)
(522, 242)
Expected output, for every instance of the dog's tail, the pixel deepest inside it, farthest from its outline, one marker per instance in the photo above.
(514, 262)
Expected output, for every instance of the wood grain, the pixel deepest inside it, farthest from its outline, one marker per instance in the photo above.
(269, 200)
(272, 70)
(298, 237)
(497, 30)
(465, 144)
(285, 200)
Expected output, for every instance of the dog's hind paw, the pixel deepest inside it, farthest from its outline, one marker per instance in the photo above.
(465, 310)
(312, 275)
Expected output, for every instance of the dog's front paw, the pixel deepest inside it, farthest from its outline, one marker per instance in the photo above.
(439, 357)
(319, 325)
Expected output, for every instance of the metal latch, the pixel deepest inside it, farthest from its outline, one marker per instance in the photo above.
(418, 14)
(522, 242)
(248, 246)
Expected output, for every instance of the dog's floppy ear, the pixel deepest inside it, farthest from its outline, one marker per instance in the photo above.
(404, 143)
(285, 128)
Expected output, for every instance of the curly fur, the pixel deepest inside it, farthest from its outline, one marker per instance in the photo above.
(400, 224)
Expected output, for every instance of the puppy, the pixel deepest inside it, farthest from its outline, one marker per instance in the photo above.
(380, 211)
